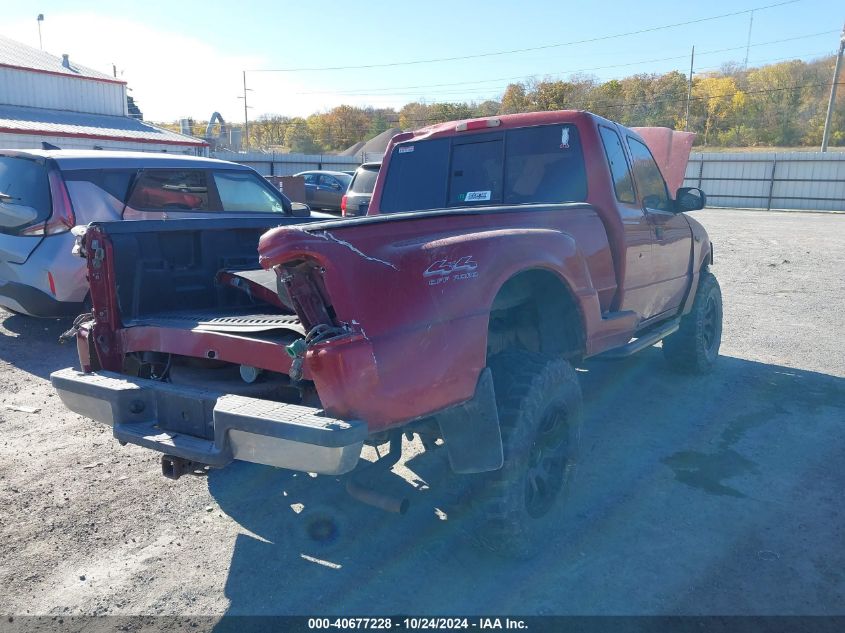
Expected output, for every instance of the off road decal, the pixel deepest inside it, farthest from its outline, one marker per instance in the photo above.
(443, 270)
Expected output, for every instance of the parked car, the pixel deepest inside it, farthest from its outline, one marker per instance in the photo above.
(46, 193)
(357, 197)
(497, 254)
(325, 189)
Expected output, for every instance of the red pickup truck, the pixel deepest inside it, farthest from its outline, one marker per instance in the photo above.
(496, 254)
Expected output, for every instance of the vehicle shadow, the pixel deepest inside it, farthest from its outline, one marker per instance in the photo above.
(32, 344)
(678, 476)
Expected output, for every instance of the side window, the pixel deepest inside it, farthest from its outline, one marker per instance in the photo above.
(310, 179)
(113, 182)
(24, 184)
(649, 179)
(98, 194)
(243, 191)
(545, 164)
(623, 183)
(476, 175)
(170, 190)
(328, 182)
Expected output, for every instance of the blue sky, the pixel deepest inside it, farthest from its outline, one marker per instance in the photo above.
(185, 58)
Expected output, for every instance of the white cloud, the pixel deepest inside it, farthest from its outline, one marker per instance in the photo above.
(170, 74)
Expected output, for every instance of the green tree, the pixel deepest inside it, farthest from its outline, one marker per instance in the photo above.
(778, 103)
(514, 99)
(486, 108)
(414, 115)
(298, 138)
(720, 99)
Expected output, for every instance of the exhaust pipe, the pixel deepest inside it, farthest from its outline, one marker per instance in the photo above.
(366, 494)
(380, 500)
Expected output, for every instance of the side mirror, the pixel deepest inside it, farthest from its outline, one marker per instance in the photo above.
(13, 216)
(690, 199)
(299, 210)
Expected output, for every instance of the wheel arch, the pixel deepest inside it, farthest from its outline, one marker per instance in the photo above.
(542, 300)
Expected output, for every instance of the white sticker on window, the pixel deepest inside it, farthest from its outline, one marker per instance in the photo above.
(475, 196)
(406, 150)
(564, 138)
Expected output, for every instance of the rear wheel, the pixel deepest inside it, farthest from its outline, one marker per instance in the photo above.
(539, 402)
(694, 348)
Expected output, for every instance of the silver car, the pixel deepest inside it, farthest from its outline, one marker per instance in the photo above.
(357, 198)
(325, 189)
(46, 193)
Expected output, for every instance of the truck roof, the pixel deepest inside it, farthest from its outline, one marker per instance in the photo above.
(503, 121)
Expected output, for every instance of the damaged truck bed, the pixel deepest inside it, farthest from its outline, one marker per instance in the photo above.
(175, 340)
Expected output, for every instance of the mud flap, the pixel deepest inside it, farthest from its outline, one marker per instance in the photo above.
(471, 431)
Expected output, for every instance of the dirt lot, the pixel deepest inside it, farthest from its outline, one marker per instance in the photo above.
(713, 495)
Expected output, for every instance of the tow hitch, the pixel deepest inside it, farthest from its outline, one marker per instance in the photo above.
(174, 467)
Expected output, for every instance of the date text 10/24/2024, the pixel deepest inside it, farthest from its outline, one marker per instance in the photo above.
(418, 623)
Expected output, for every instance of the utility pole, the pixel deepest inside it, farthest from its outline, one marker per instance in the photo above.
(748, 42)
(832, 102)
(246, 117)
(689, 87)
(40, 20)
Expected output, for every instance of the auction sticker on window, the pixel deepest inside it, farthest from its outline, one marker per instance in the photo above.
(474, 196)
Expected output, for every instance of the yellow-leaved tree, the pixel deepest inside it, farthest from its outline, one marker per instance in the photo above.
(720, 100)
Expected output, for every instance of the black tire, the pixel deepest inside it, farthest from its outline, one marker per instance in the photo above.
(694, 348)
(539, 401)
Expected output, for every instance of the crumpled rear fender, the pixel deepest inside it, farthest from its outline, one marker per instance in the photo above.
(417, 304)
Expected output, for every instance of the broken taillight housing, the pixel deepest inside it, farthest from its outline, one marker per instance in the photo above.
(62, 218)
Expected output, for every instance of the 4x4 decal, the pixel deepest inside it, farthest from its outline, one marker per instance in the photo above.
(444, 269)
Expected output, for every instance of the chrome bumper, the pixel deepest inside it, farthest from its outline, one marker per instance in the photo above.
(212, 428)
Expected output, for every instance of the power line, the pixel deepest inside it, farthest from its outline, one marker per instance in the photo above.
(601, 38)
(719, 96)
(369, 91)
(501, 88)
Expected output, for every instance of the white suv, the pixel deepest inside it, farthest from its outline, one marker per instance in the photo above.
(45, 193)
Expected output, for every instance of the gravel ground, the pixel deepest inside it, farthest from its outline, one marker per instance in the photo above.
(696, 495)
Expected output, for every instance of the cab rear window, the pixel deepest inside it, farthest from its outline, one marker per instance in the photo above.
(536, 165)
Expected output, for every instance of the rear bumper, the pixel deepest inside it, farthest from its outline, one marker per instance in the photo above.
(212, 428)
(34, 302)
